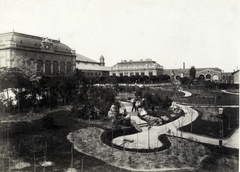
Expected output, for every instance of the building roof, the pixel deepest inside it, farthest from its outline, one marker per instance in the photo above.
(85, 63)
(237, 71)
(21, 40)
(141, 63)
(83, 58)
(92, 67)
(168, 71)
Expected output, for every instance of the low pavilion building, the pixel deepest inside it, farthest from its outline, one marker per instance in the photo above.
(146, 67)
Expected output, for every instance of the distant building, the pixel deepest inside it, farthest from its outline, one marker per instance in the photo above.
(91, 67)
(212, 74)
(40, 54)
(235, 77)
(227, 77)
(146, 67)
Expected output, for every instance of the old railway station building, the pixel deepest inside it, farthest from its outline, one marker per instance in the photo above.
(146, 67)
(90, 67)
(212, 74)
(41, 54)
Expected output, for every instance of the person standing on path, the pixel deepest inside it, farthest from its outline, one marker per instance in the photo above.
(134, 104)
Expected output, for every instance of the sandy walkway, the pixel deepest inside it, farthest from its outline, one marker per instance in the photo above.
(149, 138)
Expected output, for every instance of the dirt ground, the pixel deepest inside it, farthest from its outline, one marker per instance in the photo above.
(29, 143)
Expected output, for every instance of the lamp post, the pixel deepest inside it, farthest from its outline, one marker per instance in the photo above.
(229, 122)
(220, 112)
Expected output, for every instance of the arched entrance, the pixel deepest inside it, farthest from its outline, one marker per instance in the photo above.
(215, 77)
(208, 77)
(201, 78)
(178, 77)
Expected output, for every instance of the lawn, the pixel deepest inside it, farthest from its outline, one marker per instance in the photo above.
(211, 126)
(24, 140)
(210, 98)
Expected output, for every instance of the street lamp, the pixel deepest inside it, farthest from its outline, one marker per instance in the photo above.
(220, 112)
(229, 121)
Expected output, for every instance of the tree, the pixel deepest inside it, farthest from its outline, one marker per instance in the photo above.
(192, 74)
(185, 80)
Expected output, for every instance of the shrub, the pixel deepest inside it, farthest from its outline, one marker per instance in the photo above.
(47, 122)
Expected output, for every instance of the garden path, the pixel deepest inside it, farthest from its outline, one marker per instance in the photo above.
(149, 138)
(225, 91)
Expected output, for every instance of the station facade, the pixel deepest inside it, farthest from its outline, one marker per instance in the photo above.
(212, 74)
(90, 67)
(36, 54)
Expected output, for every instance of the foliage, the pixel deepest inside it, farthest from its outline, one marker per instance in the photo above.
(211, 128)
(78, 90)
(192, 72)
(47, 122)
(185, 80)
(153, 100)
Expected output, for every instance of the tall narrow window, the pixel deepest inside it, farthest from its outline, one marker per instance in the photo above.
(55, 68)
(39, 65)
(68, 68)
(62, 68)
(47, 67)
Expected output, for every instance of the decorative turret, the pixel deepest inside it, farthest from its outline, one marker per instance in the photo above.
(102, 63)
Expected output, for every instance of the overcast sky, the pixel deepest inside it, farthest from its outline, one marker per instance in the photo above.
(201, 33)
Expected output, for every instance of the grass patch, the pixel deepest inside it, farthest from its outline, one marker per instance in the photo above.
(211, 129)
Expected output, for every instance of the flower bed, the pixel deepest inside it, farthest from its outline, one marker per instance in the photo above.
(182, 154)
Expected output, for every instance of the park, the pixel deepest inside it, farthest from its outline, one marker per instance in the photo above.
(62, 124)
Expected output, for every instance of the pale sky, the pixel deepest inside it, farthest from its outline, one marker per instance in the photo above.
(201, 33)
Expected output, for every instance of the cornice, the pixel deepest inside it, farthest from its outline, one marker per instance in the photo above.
(37, 50)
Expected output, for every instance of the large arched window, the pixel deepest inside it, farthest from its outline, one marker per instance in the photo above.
(31, 66)
(21, 63)
(68, 68)
(177, 77)
(62, 68)
(47, 67)
(215, 77)
(208, 77)
(55, 68)
(201, 78)
(30, 62)
(39, 65)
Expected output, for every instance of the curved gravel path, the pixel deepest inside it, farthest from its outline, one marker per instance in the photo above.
(149, 138)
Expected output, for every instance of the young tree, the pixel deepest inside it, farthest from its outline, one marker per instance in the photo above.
(192, 74)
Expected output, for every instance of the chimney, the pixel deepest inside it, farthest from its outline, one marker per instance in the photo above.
(183, 65)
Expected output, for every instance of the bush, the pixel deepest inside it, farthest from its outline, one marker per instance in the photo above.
(47, 122)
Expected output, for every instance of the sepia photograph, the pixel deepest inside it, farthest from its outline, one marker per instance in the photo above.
(119, 85)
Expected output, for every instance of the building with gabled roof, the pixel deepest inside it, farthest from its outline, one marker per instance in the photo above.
(213, 74)
(235, 75)
(146, 67)
(90, 67)
(40, 54)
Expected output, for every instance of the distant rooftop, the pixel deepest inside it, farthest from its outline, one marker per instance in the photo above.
(84, 59)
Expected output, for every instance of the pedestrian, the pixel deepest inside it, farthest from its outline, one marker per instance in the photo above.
(134, 104)
(119, 116)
